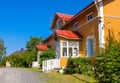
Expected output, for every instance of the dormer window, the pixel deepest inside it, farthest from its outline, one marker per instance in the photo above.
(75, 25)
(89, 16)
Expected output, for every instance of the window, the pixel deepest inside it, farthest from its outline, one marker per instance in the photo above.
(64, 52)
(76, 25)
(90, 46)
(70, 52)
(89, 16)
(70, 49)
(75, 52)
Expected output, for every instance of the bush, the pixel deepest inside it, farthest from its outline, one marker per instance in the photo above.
(21, 60)
(3, 62)
(108, 62)
(46, 55)
(79, 65)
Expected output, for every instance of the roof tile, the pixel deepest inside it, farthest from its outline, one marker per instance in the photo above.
(68, 34)
(42, 47)
(64, 16)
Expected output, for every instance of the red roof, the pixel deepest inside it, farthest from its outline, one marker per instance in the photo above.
(64, 16)
(68, 34)
(42, 47)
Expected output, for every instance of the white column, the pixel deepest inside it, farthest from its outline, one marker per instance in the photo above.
(38, 56)
(101, 24)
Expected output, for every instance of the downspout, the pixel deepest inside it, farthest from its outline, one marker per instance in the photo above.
(99, 6)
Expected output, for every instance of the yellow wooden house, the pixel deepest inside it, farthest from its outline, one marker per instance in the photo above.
(81, 35)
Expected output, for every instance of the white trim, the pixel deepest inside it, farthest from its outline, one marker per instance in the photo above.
(87, 22)
(73, 55)
(101, 25)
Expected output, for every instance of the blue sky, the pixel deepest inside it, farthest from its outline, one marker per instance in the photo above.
(20, 19)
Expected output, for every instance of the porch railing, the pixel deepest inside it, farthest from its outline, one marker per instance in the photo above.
(50, 65)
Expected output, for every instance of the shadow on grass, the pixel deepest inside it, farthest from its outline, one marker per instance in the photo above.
(80, 79)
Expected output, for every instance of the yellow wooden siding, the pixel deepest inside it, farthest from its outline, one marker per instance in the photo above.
(63, 62)
(112, 17)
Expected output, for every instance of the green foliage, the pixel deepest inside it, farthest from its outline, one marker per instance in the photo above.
(22, 60)
(48, 54)
(2, 49)
(15, 60)
(108, 62)
(31, 44)
(3, 62)
(28, 57)
(79, 65)
(25, 59)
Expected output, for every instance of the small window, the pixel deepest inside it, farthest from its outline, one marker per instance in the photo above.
(76, 25)
(64, 52)
(89, 16)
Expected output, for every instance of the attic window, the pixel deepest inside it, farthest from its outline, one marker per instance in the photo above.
(89, 16)
(75, 25)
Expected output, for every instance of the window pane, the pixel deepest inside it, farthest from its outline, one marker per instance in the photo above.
(70, 44)
(76, 25)
(64, 52)
(64, 43)
(90, 16)
(75, 52)
(75, 44)
(70, 52)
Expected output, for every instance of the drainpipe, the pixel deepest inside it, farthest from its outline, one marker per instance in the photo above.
(99, 6)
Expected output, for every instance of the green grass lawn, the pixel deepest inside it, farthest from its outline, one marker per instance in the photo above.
(56, 77)
(68, 78)
(34, 69)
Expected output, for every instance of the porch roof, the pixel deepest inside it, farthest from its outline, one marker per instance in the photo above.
(68, 34)
(41, 47)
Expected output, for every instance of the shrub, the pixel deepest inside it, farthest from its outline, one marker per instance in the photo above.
(79, 65)
(46, 55)
(108, 62)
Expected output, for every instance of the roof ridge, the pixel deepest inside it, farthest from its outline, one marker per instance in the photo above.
(64, 13)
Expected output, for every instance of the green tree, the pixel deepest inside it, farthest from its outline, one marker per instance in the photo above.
(108, 62)
(21, 60)
(48, 54)
(28, 57)
(33, 42)
(2, 49)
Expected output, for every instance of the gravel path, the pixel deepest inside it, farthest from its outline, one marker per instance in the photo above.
(18, 75)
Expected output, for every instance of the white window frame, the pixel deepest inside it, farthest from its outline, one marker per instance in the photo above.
(91, 13)
(75, 24)
(73, 55)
